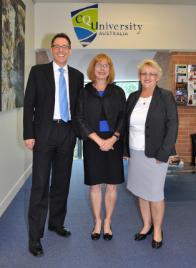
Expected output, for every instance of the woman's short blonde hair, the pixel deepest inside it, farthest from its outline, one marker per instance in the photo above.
(94, 61)
(151, 63)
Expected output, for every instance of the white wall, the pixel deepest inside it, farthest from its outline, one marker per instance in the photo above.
(125, 61)
(15, 160)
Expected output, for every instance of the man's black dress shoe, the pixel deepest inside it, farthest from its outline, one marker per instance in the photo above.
(139, 237)
(156, 244)
(62, 231)
(108, 236)
(35, 248)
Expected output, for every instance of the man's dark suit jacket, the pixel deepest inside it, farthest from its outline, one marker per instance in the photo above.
(40, 99)
(161, 125)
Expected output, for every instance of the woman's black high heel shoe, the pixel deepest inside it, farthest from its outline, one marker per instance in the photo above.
(156, 244)
(139, 237)
(108, 236)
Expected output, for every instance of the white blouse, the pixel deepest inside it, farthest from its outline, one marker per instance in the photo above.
(137, 124)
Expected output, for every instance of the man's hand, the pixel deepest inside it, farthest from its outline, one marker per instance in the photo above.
(158, 162)
(29, 143)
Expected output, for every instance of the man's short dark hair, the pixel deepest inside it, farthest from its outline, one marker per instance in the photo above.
(61, 35)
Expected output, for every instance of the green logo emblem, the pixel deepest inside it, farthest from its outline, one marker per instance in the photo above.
(85, 23)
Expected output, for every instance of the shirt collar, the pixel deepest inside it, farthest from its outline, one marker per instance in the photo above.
(56, 67)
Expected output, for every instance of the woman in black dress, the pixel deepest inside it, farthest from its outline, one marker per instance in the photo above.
(100, 118)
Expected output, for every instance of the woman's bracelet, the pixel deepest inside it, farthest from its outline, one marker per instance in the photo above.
(117, 136)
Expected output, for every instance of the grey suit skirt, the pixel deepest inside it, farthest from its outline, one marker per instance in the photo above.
(146, 178)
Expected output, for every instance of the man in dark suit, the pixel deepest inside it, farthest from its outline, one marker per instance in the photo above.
(51, 135)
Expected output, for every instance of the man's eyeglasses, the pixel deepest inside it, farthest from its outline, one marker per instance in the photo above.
(105, 66)
(58, 47)
(148, 74)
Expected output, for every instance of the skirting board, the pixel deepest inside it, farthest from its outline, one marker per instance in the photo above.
(14, 190)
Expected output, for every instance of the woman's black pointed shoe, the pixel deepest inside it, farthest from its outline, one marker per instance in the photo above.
(139, 237)
(108, 236)
(156, 244)
(95, 236)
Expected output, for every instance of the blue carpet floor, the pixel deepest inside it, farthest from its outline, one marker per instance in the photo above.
(79, 251)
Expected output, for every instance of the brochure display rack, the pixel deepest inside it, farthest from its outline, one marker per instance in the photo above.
(185, 84)
(192, 85)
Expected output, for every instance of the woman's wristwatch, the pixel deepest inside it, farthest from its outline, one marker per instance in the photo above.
(117, 136)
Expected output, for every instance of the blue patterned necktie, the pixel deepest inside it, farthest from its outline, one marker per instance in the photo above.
(63, 104)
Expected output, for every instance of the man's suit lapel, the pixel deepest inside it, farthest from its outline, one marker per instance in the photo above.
(50, 77)
(71, 89)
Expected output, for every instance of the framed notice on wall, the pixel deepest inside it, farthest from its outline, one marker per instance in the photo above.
(192, 85)
(181, 89)
(12, 49)
(185, 84)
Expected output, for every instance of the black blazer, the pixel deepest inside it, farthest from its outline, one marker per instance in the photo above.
(40, 99)
(161, 125)
(91, 106)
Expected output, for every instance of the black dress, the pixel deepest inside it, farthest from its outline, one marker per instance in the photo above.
(99, 166)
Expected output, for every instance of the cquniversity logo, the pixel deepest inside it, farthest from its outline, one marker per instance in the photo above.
(85, 22)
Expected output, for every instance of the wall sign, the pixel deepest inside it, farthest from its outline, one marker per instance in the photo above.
(87, 25)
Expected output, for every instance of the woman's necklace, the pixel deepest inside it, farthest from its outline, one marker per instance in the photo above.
(146, 96)
(146, 100)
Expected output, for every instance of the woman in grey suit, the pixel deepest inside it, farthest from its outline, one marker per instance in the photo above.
(152, 124)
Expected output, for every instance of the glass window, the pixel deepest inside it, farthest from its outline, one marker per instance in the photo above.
(128, 86)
